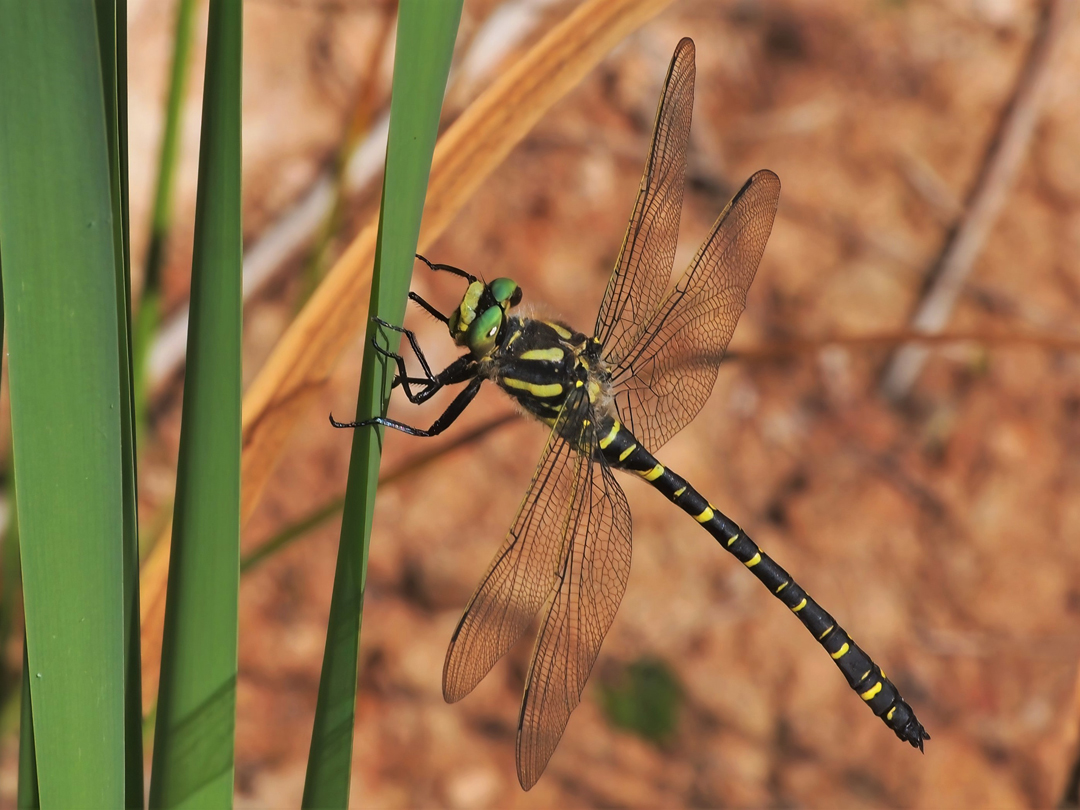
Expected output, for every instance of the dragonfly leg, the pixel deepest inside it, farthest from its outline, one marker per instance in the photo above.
(457, 271)
(430, 309)
(449, 416)
(411, 337)
(458, 371)
(462, 369)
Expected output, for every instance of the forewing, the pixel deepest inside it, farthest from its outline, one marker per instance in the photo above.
(662, 383)
(643, 269)
(523, 572)
(591, 584)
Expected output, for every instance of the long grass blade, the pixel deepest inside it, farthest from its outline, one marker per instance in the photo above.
(425, 43)
(112, 39)
(148, 317)
(60, 259)
(27, 797)
(193, 735)
(10, 595)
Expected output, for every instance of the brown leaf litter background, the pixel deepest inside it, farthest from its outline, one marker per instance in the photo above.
(942, 531)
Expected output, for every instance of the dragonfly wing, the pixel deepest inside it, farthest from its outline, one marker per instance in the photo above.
(591, 584)
(524, 571)
(643, 270)
(665, 379)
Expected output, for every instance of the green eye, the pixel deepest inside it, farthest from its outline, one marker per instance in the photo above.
(484, 330)
(504, 290)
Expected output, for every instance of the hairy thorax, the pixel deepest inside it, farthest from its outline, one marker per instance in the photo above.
(540, 363)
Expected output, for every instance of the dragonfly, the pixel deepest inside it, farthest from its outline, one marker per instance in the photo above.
(611, 399)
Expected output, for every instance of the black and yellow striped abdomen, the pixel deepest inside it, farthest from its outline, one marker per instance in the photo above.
(621, 450)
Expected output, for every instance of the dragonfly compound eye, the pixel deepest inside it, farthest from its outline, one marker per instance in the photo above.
(484, 331)
(506, 292)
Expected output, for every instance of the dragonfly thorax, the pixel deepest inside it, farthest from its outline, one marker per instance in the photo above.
(541, 363)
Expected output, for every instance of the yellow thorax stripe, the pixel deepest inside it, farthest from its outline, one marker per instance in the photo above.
(543, 391)
(561, 331)
(555, 354)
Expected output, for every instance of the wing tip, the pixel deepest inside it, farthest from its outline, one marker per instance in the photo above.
(529, 770)
(684, 63)
(760, 179)
(764, 176)
(452, 689)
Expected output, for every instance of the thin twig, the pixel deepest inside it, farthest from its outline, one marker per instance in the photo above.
(992, 187)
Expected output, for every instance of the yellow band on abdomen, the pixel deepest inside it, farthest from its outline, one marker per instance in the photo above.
(869, 693)
(653, 474)
(607, 440)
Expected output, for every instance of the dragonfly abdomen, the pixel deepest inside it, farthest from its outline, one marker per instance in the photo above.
(622, 450)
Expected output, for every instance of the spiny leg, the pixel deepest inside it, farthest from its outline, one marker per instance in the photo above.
(460, 370)
(447, 268)
(402, 377)
(452, 412)
(411, 337)
(430, 309)
(621, 450)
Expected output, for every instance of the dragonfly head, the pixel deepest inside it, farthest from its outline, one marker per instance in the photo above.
(477, 321)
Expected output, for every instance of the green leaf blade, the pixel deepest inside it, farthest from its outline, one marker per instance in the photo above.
(60, 257)
(193, 743)
(112, 42)
(425, 38)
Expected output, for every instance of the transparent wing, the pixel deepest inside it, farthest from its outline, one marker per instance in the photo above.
(643, 270)
(592, 580)
(665, 379)
(524, 571)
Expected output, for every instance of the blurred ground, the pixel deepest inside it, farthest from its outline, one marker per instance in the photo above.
(942, 535)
